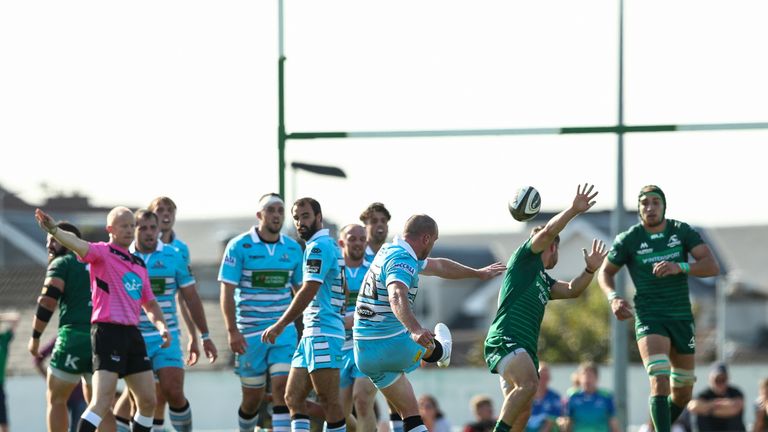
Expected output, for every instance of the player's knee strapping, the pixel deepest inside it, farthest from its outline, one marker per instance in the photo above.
(253, 382)
(683, 378)
(658, 364)
(279, 369)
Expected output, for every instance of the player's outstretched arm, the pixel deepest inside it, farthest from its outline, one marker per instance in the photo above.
(583, 201)
(66, 238)
(592, 262)
(305, 295)
(449, 269)
(197, 314)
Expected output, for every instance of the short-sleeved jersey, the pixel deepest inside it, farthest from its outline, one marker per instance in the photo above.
(655, 297)
(180, 246)
(119, 284)
(523, 298)
(591, 412)
(374, 318)
(75, 302)
(324, 263)
(354, 278)
(263, 275)
(167, 273)
(369, 255)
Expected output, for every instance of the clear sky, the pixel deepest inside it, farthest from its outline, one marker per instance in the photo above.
(127, 101)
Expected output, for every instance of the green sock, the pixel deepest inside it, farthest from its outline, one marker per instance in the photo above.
(501, 427)
(674, 410)
(660, 413)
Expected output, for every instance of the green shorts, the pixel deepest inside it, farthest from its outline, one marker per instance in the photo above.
(682, 333)
(497, 347)
(72, 353)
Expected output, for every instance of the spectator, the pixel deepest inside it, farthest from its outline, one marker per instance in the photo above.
(433, 418)
(76, 403)
(721, 406)
(761, 407)
(6, 334)
(590, 409)
(485, 418)
(547, 405)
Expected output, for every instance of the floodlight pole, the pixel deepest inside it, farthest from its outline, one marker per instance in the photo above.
(281, 135)
(619, 328)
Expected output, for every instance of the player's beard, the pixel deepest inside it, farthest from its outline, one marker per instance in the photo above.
(310, 231)
(55, 253)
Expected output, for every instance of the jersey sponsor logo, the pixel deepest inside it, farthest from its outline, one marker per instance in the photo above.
(673, 241)
(255, 257)
(647, 250)
(132, 284)
(405, 267)
(692, 342)
(71, 362)
(230, 261)
(642, 329)
(657, 236)
(313, 266)
(247, 245)
(316, 251)
(365, 312)
(643, 245)
(158, 265)
(285, 258)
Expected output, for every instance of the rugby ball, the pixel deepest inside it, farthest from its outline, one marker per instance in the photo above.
(526, 203)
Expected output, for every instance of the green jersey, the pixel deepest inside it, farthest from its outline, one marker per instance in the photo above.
(75, 301)
(524, 294)
(657, 298)
(5, 341)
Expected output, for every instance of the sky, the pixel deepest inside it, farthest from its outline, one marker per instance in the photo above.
(123, 102)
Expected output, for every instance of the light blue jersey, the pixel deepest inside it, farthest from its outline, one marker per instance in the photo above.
(180, 246)
(369, 255)
(167, 273)
(354, 281)
(324, 263)
(262, 274)
(374, 318)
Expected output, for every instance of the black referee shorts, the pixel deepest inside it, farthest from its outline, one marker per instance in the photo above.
(119, 348)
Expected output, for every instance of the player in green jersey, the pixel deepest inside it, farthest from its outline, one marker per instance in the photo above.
(512, 342)
(66, 286)
(655, 252)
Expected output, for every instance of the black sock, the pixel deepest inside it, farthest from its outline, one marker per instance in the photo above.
(158, 422)
(245, 415)
(135, 427)
(437, 353)
(85, 426)
(122, 420)
(412, 422)
(395, 417)
(337, 424)
(280, 409)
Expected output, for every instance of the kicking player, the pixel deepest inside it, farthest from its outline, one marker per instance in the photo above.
(656, 253)
(66, 286)
(356, 388)
(512, 343)
(388, 339)
(259, 270)
(318, 357)
(119, 289)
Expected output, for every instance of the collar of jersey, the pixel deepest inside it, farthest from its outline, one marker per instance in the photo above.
(322, 232)
(256, 239)
(158, 248)
(399, 241)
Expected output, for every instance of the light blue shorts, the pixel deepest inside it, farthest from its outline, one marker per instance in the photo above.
(260, 357)
(385, 360)
(164, 357)
(349, 373)
(319, 352)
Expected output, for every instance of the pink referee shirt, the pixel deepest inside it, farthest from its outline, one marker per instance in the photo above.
(119, 284)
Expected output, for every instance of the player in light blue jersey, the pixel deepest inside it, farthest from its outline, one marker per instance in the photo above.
(376, 219)
(354, 385)
(258, 274)
(388, 339)
(168, 274)
(321, 297)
